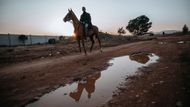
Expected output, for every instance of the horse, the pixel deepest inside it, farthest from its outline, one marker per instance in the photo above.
(79, 31)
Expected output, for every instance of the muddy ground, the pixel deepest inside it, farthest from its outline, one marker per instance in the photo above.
(164, 84)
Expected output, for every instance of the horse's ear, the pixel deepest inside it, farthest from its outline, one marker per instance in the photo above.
(69, 10)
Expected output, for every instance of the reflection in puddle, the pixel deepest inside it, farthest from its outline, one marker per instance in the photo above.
(142, 58)
(88, 85)
(96, 89)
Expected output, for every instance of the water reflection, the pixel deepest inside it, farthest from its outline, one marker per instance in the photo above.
(140, 57)
(96, 89)
(87, 84)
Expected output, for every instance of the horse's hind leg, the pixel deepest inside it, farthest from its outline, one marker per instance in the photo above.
(99, 42)
(92, 40)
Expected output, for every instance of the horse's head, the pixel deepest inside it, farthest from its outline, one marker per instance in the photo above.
(68, 17)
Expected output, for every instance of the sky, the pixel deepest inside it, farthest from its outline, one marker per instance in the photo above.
(45, 17)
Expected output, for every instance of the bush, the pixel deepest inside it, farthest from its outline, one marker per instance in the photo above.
(23, 38)
(185, 29)
(51, 41)
(121, 31)
(61, 37)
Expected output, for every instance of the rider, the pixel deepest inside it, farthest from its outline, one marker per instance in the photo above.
(86, 20)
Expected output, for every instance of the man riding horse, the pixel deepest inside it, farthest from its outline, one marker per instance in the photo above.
(79, 28)
(86, 21)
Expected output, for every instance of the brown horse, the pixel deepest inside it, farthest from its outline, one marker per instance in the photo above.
(79, 31)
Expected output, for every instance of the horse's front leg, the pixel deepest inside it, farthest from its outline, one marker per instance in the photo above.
(97, 37)
(78, 40)
(92, 40)
(83, 46)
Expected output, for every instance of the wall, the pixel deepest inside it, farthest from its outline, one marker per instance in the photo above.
(12, 39)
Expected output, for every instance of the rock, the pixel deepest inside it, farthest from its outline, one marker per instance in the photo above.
(180, 42)
(40, 94)
(145, 91)
(114, 95)
(23, 77)
(153, 102)
(156, 83)
(112, 102)
(77, 79)
(15, 90)
(84, 63)
(42, 74)
(179, 104)
(137, 96)
(121, 89)
(41, 88)
(55, 87)
(139, 101)
(152, 84)
(36, 98)
(83, 81)
(162, 43)
(183, 88)
(161, 82)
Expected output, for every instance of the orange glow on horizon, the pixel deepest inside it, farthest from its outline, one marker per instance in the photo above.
(73, 36)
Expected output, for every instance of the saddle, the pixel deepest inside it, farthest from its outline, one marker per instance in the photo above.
(89, 30)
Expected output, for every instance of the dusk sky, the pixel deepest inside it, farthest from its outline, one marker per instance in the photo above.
(45, 17)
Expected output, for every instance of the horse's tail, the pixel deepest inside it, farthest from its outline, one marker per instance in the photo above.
(96, 31)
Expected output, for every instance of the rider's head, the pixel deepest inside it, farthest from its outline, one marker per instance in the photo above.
(83, 9)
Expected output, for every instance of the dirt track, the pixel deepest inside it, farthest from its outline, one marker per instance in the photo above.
(163, 84)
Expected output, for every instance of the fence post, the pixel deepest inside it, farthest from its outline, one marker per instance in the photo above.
(9, 39)
(30, 40)
(45, 40)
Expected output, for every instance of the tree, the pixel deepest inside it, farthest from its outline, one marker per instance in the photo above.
(51, 41)
(139, 25)
(185, 29)
(121, 31)
(23, 38)
(61, 37)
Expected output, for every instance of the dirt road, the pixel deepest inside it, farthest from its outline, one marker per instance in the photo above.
(163, 84)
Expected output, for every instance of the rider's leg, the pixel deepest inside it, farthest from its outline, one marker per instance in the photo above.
(86, 29)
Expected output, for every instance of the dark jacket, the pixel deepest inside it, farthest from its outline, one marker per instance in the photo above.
(86, 18)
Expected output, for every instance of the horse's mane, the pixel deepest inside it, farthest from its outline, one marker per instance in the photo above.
(74, 15)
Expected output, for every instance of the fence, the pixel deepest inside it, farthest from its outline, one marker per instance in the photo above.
(13, 40)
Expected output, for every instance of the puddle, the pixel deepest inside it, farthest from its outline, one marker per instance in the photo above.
(180, 42)
(96, 89)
